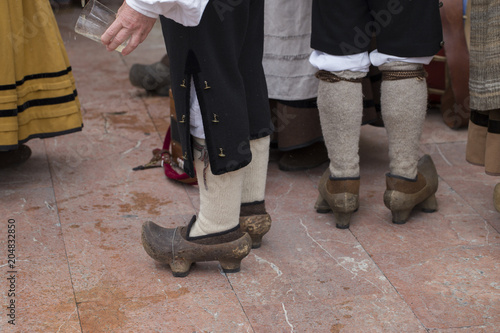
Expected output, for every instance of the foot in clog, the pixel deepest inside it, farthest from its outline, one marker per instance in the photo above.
(174, 247)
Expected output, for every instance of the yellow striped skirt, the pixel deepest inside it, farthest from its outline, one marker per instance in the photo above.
(38, 97)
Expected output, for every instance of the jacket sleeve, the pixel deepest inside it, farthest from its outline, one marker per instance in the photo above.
(185, 12)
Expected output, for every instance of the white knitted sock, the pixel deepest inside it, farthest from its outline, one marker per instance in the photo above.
(254, 183)
(220, 200)
(340, 107)
(404, 106)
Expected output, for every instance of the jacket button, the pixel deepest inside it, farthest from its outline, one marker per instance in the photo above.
(215, 119)
(440, 4)
(183, 84)
(207, 86)
(183, 119)
(221, 153)
(442, 43)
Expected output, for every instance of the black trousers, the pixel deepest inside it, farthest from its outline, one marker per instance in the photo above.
(402, 28)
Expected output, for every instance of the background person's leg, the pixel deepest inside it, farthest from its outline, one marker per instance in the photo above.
(340, 107)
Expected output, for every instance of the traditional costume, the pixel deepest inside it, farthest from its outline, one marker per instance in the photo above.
(292, 85)
(38, 98)
(483, 144)
(224, 124)
(408, 34)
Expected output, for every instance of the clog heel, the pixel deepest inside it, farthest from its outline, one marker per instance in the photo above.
(255, 221)
(342, 195)
(403, 195)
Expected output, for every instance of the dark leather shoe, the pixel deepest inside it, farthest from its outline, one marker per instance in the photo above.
(174, 247)
(154, 78)
(304, 158)
(15, 157)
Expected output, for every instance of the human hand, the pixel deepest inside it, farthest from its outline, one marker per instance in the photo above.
(128, 23)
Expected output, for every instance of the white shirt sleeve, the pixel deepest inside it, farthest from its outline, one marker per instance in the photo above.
(185, 12)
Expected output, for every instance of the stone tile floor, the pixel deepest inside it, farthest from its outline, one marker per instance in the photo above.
(78, 208)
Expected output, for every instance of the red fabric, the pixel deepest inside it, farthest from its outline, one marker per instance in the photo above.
(170, 172)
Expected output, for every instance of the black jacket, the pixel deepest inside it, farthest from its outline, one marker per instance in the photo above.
(402, 28)
(223, 55)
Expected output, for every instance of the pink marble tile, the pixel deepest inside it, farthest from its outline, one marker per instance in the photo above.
(378, 234)
(44, 296)
(100, 156)
(306, 260)
(436, 131)
(159, 110)
(450, 162)
(467, 180)
(371, 313)
(488, 328)
(178, 309)
(454, 286)
(480, 198)
(282, 184)
(152, 199)
(94, 174)
(290, 194)
(37, 227)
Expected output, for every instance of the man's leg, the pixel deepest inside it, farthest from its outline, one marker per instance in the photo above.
(411, 181)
